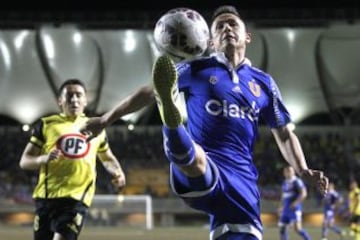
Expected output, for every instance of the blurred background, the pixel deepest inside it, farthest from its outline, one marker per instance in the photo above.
(312, 50)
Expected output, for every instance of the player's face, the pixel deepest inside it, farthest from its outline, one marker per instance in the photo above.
(73, 100)
(228, 30)
(353, 185)
(288, 172)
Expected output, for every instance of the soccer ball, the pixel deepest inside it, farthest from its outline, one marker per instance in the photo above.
(182, 33)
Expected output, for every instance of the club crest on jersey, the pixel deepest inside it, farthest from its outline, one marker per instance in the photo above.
(213, 79)
(254, 88)
(73, 145)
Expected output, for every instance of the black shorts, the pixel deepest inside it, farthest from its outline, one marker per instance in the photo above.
(355, 219)
(62, 215)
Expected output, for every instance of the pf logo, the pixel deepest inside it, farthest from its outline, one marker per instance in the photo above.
(73, 145)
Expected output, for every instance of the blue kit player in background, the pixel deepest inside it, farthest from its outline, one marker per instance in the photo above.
(211, 165)
(294, 193)
(331, 202)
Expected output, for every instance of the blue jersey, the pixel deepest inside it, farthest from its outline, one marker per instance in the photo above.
(330, 200)
(291, 190)
(224, 105)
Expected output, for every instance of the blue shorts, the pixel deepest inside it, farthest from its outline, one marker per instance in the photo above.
(329, 216)
(290, 216)
(232, 202)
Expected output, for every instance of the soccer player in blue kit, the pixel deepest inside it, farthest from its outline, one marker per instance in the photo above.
(294, 193)
(331, 202)
(211, 154)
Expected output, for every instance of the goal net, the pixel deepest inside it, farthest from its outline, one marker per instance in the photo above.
(121, 210)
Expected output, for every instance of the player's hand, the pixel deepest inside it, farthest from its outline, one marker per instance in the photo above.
(92, 128)
(44, 159)
(119, 181)
(54, 154)
(317, 179)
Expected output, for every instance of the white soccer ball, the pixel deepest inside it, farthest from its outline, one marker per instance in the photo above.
(182, 33)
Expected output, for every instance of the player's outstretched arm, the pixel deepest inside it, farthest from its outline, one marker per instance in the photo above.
(134, 102)
(291, 150)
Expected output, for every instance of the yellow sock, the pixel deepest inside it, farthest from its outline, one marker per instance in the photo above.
(357, 232)
(357, 236)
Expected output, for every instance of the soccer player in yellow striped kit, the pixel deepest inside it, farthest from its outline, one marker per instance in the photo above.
(67, 166)
(354, 208)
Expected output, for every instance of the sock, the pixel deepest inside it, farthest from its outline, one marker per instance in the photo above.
(283, 233)
(304, 234)
(199, 183)
(178, 145)
(324, 232)
(336, 229)
(352, 230)
(357, 232)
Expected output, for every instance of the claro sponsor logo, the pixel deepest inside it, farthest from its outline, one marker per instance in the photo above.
(232, 110)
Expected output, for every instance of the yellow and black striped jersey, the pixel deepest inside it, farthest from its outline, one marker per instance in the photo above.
(354, 197)
(73, 174)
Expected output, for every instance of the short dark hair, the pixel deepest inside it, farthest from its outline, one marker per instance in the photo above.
(225, 9)
(71, 81)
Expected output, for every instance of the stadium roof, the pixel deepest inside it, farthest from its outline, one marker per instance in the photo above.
(320, 87)
(143, 14)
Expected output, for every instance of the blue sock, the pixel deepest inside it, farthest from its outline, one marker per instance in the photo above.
(178, 145)
(336, 229)
(283, 233)
(304, 234)
(324, 231)
(200, 183)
